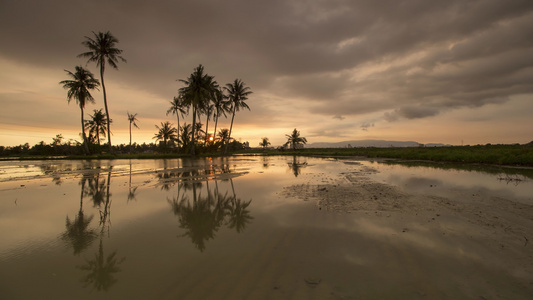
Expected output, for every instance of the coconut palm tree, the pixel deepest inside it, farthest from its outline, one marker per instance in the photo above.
(165, 132)
(184, 135)
(97, 125)
(79, 86)
(264, 142)
(223, 135)
(294, 139)
(198, 90)
(132, 118)
(102, 50)
(222, 106)
(237, 94)
(177, 107)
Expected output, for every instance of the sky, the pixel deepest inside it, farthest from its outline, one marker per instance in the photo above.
(454, 72)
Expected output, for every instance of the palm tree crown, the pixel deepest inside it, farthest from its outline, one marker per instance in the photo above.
(97, 125)
(102, 50)
(132, 118)
(165, 132)
(294, 139)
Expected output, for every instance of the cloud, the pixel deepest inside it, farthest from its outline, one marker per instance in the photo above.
(304, 60)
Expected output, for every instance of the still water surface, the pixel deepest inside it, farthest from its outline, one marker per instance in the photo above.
(226, 228)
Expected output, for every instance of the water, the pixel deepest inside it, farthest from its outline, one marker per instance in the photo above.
(263, 228)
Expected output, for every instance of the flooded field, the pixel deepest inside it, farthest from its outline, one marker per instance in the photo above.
(263, 228)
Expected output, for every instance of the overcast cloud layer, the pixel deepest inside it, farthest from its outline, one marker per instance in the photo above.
(430, 71)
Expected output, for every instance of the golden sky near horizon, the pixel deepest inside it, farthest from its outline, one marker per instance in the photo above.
(427, 71)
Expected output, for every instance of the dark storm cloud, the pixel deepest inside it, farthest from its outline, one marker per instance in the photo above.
(433, 55)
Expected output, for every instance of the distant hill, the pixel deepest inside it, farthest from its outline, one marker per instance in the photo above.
(370, 143)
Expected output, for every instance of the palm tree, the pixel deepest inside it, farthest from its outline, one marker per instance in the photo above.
(264, 142)
(132, 118)
(177, 107)
(223, 135)
(237, 94)
(79, 88)
(209, 108)
(165, 132)
(97, 125)
(222, 106)
(101, 50)
(184, 135)
(294, 139)
(198, 90)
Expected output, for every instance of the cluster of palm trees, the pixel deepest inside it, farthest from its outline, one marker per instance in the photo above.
(81, 82)
(201, 96)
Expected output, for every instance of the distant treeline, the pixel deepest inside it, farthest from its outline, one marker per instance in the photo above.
(519, 155)
(74, 148)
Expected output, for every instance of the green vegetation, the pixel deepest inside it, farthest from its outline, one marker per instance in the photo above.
(519, 155)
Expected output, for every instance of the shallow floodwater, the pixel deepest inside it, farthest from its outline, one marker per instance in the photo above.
(230, 228)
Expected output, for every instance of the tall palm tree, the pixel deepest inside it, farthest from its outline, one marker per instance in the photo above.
(165, 132)
(237, 94)
(79, 86)
(177, 107)
(198, 90)
(222, 106)
(132, 118)
(101, 50)
(97, 125)
(294, 139)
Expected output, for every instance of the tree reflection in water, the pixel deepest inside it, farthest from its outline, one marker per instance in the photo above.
(78, 234)
(295, 166)
(203, 216)
(101, 270)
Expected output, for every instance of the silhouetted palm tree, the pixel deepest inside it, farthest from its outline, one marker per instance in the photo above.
(264, 142)
(237, 94)
(165, 132)
(198, 90)
(222, 106)
(132, 118)
(184, 136)
(294, 139)
(177, 107)
(79, 88)
(97, 125)
(223, 135)
(101, 51)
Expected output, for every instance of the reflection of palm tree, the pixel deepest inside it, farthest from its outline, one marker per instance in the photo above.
(78, 233)
(296, 166)
(203, 216)
(239, 216)
(101, 269)
(131, 191)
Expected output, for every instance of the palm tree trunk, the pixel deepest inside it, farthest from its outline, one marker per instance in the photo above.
(216, 122)
(230, 128)
(193, 127)
(130, 137)
(106, 109)
(85, 147)
(178, 116)
(206, 130)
